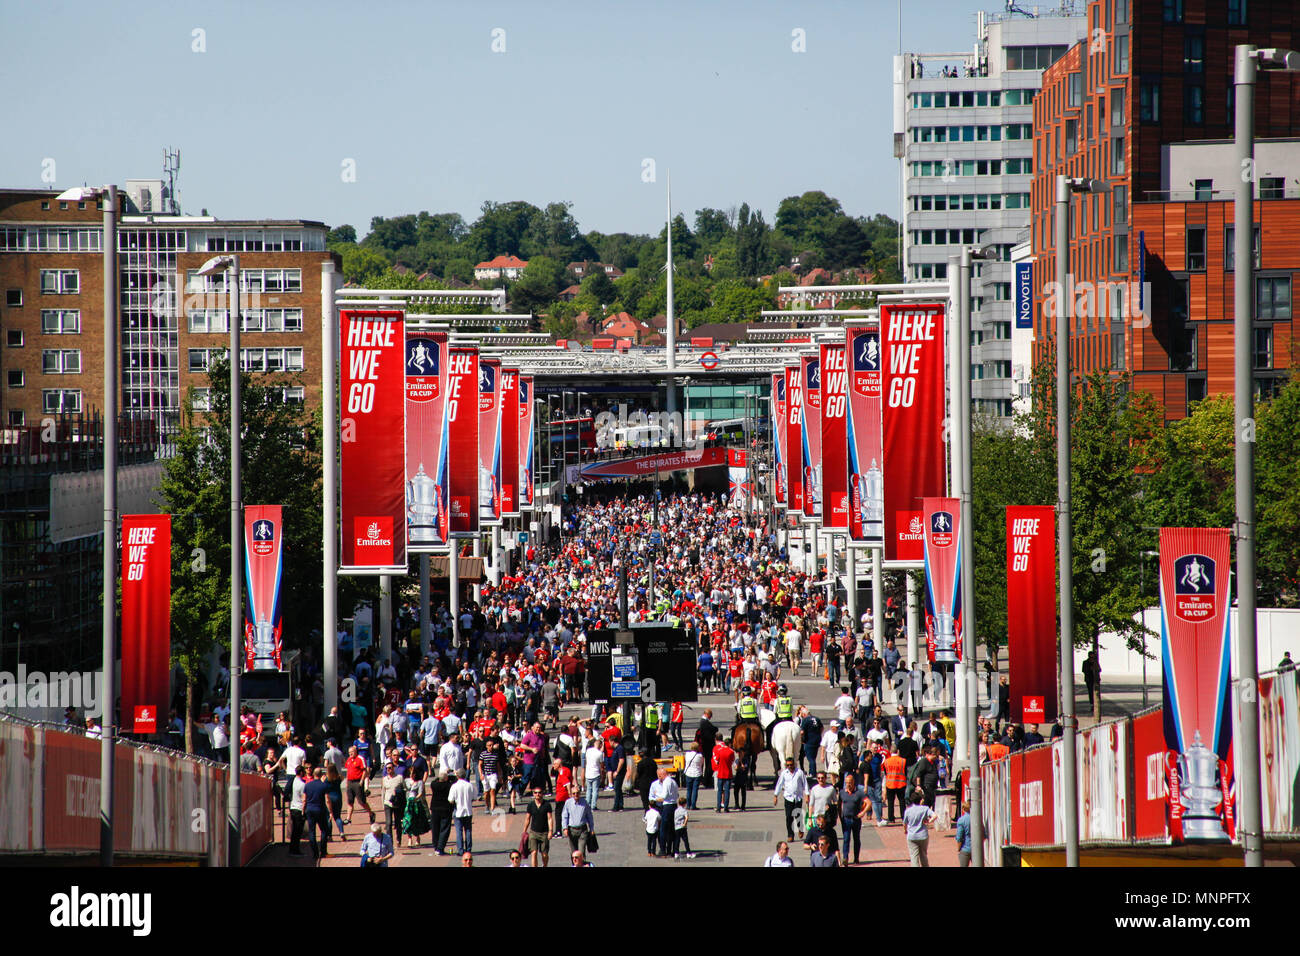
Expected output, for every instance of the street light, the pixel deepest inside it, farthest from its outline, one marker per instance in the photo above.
(214, 266)
(1142, 593)
(1065, 185)
(1249, 61)
(108, 697)
(965, 491)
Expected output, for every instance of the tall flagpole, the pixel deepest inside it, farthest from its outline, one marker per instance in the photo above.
(670, 323)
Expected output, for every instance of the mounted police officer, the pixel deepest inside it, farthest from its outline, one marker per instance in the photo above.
(784, 709)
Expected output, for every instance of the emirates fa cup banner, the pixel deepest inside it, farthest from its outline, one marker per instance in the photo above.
(943, 579)
(1195, 607)
(426, 441)
(737, 478)
(811, 435)
(1031, 612)
(263, 574)
(526, 441)
(372, 446)
(489, 441)
(834, 440)
(146, 621)
(794, 439)
(509, 442)
(866, 453)
(912, 416)
(462, 440)
(779, 432)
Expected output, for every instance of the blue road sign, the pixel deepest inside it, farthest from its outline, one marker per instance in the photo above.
(625, 689)
(625, 672)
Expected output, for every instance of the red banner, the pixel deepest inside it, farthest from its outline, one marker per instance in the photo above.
(510, 442)
(526, 441)
(1031, 612)
(462, 438)
(1150, 783)
(426, 440)
(794, 438)
(663, 463)
(372, 386)
(256, 815)
(146, 621)
(489, 441)
(866, 455)
(1033, 806)
(263, 572)
(909, 536)
(780, 431)
(942, 579)
(834, 438)
(811, 434)
(912, 420)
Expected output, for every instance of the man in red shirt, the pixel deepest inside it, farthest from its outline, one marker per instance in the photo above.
(357, 773)
(499, 702)
(563, 781)
(724, 759)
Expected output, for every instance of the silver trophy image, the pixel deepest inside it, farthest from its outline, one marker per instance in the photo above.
(422, 500)
(873, 502)
(1200, 792)
(945, 637)
(263, 646)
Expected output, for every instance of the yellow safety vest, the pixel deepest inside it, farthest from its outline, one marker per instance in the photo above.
(748, 709)
(784, 707)
(652, 717)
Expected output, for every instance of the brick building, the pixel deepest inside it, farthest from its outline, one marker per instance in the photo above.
(172, 322)
(1149, 75)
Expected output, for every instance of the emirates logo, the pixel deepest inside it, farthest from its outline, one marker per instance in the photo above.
(915, 525)
(372, 532)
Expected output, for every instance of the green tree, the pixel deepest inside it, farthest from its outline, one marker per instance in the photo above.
(281, 465)
(1191, 481)
(600, 287)
(712, 226)
(540, 283)
(845, 245)
(753, 250)
(1277, 501)
(341, 234)
(362, 263)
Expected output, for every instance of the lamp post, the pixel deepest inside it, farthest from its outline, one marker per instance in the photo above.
(230, 265)
(112, 347)
(1249, 60)
(1069, 770)
(1142, 593)
(965, 491)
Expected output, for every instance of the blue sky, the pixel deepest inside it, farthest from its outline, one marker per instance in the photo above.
(434, 119)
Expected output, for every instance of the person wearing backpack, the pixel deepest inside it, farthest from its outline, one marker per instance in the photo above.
(811, 727)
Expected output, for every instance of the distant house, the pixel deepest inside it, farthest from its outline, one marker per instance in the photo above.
(569, 294)
(586, 267)
(622, 325)
(719, 332)
(502, 267)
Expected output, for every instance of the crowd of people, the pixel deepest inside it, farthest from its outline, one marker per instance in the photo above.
(471, 723)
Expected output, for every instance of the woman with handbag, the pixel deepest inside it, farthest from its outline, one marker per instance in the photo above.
(415, 817)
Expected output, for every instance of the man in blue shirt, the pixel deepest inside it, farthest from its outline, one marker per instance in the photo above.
(963, 835)
(314, 808)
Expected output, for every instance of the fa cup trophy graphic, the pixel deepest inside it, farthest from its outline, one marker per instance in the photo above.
(1200, 793)
(423, 497)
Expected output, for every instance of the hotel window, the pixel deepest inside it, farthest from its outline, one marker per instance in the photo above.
(1182, 357)
(13, 298)
(1075, 90)
(14, 338)
(60, 321)
(60, 282)
(66, 400)
(1204, 190)
(1273, 297)
(1117, 156)
(1071, 137)
(251, 320)
(15, 378)
(1149, 101)
(201, 399)
(1195, 248)
(208, 320)
(1121, 255)
(1173, 11)
(1272, 187)
(1121, 54)
(1121, 11)
(1193, 105)
(60, 361)
(1194, 53)
(1262, 355)
(17, 417)
(1229, 248)
(1195, 389)
(1236, 13)
(1117, 348)
(1232, 103)
(1119, 204)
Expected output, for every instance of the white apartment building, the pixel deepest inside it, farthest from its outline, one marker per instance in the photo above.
(963, 132)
